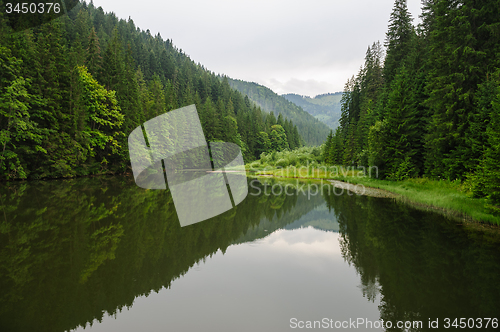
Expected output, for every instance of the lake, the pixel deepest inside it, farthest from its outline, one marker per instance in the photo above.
(101, 254)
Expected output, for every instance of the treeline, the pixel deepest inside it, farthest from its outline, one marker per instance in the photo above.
(310, 129)
(431, 107)
(73, 89)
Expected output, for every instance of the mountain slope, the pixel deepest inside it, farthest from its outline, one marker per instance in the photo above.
(83, 82)
(325, 107)
(312, 130)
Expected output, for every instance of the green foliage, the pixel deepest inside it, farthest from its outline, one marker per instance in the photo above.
(325, 107)
(263, 143)
(327, 157)
(398, 39)
(103, 115)
(72, 90)
(376, 146)
(461, 55)
(401, 131)
(278, 138)
(433, 110)
(299, 157)
(492, 155)
(312, 131)
(403, 170)
(19, 134)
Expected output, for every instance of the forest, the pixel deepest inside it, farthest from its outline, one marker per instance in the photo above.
(324, 107)
(430, 106)
(312, 130)
(72, 90)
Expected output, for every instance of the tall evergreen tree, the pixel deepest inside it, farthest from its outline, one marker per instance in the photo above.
(398, 39)
(59, 118)
(462, 52)
(94, 59)
(328, 148)
(401, 130)
(492, 156)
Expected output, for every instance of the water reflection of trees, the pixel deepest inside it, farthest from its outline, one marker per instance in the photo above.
(72, 250)
(423, 265)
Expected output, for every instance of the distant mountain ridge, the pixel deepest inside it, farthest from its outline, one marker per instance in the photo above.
(312, 130)
(324, 107)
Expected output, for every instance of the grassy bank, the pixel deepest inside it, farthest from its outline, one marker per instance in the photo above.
(451, 198)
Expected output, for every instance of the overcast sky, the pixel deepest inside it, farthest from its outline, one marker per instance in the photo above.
(304, 47)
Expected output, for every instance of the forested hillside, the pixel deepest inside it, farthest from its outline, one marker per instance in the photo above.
(432, 106)
(73, 89)
(325, 107)
(312, 130)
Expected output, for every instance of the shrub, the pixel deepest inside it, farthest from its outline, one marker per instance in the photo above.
(282, 163)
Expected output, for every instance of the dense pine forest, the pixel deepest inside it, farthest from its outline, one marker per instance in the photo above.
(73, 89)
(431, 106)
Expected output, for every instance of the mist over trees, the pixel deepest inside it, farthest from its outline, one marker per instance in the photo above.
(431, 106)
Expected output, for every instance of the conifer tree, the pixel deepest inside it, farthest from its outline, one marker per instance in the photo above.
(492, 156)
(94, 59)
(73, 121)
(112, 70)
(401, 130)
(327, 149)
(462, 53)
(398, 39)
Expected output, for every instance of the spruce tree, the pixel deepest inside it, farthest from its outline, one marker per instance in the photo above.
(401, 130)
(94, 59)
(464, 48)
(492, 156)
(398, 39)
(327, 149)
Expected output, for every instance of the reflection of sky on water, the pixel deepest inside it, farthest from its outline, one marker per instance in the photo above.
(256, 286)
(305, 242)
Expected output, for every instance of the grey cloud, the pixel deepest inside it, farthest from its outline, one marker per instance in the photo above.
(259, 40)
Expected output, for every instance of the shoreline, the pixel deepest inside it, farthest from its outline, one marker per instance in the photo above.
(456, 215)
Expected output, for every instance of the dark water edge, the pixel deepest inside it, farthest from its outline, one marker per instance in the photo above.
(73, 250)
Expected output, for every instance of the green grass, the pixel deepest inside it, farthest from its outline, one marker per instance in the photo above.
(449, 197)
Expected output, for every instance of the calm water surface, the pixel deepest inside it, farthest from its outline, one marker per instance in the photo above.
(104, 255)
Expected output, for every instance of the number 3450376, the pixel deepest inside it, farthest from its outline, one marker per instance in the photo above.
(33, 8)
